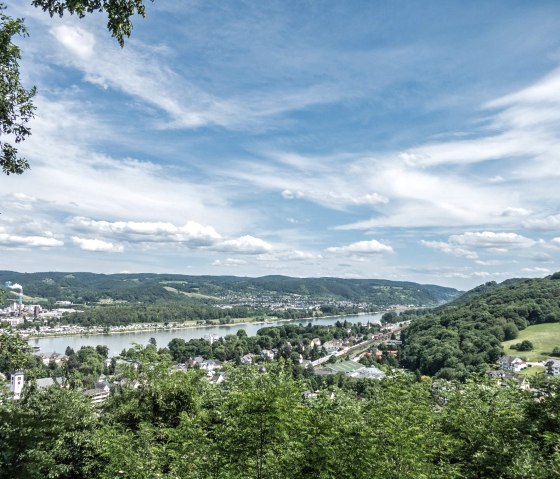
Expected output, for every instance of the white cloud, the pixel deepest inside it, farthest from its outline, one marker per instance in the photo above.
(536, 270)
(192, 233)
(229, 262)
(449, 249)
(549, 223)
(244, 245)
(289, 255)
(88, 244)
(140, 71)
(511, 211)
(492, 240)
(489, 262)
(336, 199)
(486, 274)
(362, 247)
(290, 195)
(16, 241)
(77, 40)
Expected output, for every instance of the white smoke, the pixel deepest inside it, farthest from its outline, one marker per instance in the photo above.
(14, 286)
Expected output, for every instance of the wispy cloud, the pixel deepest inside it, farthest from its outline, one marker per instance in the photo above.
(15, 241)
(92, 244)
(361, 247)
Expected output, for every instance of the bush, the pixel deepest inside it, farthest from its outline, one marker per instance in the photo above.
(524, 345)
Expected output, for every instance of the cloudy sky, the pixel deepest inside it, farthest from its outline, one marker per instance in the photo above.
(399, 140)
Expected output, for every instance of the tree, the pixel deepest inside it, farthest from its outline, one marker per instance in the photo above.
(47, 434)
(16, 105)
(524, 345)
(15, 353)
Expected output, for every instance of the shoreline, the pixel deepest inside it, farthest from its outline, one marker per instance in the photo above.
(193, 326)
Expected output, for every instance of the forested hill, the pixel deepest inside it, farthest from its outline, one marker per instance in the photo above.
(153, 288)
(465, 335)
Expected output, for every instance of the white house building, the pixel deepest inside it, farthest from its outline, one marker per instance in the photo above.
(510, 363)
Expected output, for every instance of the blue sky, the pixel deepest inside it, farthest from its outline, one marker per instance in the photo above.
(399, 140)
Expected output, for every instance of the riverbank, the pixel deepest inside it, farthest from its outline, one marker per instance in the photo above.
(157, 327)
(117, 342)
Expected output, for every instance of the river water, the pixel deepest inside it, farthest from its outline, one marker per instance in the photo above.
(118, 341)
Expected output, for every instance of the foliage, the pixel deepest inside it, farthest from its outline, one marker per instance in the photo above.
(118, 12)
(153, 288)
(524, 345)
(16, 107)
(544, 336)
(288, 339)
(465, 336)
(269, 424)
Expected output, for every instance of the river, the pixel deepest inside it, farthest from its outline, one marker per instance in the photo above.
(116, 342)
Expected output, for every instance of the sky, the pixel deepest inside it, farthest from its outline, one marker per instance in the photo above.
(414, 141)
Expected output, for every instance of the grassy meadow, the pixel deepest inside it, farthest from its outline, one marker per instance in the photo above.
(544, 337)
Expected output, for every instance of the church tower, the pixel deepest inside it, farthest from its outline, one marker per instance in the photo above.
(16, 385)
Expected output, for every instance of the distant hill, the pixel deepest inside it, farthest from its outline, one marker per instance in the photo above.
(150, 288)
(465, 335)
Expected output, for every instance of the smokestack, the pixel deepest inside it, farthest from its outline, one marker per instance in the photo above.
(16, 286)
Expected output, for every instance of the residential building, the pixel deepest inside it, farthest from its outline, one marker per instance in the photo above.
(552, 367)
(511, 363)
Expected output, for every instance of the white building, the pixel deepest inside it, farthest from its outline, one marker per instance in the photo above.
(16, 384)
(552, 366)
(511, 363)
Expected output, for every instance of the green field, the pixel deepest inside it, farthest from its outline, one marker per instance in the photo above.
(545, 337)
(191, 295)
(532, 371)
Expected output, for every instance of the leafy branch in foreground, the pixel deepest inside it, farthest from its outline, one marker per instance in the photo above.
(16, 107)
(118, 12)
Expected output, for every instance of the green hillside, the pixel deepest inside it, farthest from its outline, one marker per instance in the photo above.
(544, 337)
(156, 288)
(465, 335)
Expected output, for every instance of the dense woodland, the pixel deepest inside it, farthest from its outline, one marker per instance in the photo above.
(464, 336)
(278, 420)
(266, 424)
(291, 341)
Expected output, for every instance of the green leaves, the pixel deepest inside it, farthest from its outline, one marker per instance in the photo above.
(16, 107)
(119, 12)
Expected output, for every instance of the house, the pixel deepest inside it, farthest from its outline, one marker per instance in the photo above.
(332, 346)
(44, 383)
(57, 358)
(97, 395)
(511, 363)
(552, 367)
(210, 364)
(503, 377)
(197, 360)
(216, 378)
(247, 359)
(267, 355)
(100, 392)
